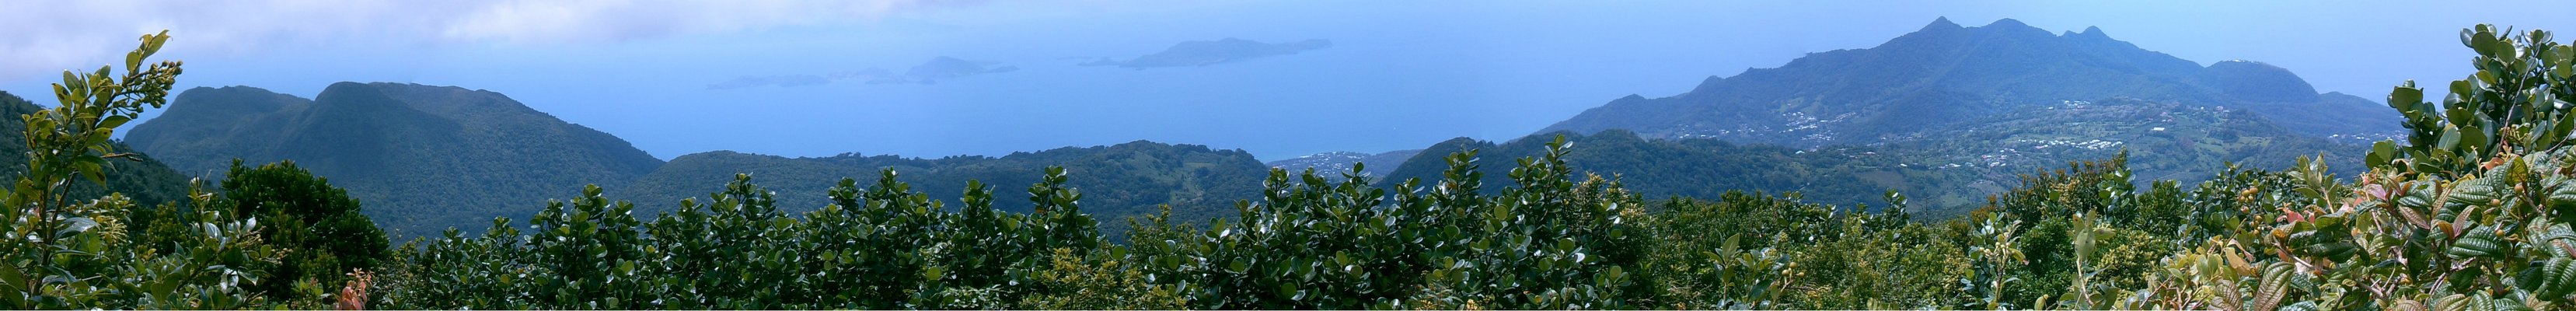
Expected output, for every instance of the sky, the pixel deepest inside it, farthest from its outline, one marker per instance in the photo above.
(819, 78)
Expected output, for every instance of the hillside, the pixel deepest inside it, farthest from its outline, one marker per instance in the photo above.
(149, 181)
(1116, 181)
(1659, 168)
(1379, 164)
(1955, 168)
(1917, 84)
(422, 158)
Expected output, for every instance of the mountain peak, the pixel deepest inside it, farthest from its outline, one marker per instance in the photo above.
(343, 86)
(2015, 29)
(381, 141)
(1940, 23)
(347, 93)
(2090, 33)
(1890, 92)
(239, 91)
(1944, 32)
(2257, 82)
(2008, 23)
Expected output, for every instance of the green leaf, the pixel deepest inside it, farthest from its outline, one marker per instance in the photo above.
(2267, 296)
(2480, 192)
(2383, 152)
(2475, 246)
(2405, 97)
(133, 60)
(2562, 278)
(16, 280)
(2474, 138)
(78, 87)
(2301, 306)
(2450, 140)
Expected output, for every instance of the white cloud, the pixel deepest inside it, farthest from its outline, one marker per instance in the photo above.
(44, 37)
(584, 20)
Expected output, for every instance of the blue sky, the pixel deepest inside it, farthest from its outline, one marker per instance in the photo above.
(1399, 74)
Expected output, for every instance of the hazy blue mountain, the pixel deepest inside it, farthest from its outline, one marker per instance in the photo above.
(422, 158)
(1946, 172)
(1379, 164)
(1203, 53)
(1921, 83)
(1116, 181)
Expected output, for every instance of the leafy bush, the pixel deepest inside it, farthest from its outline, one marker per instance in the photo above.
(59, 251)
(316, 226)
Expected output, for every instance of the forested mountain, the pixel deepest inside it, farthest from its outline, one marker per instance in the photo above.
(422, 158)
(1120, 180)
(148, 181)
(1947, 114)
(2475, 210)
(1954, 168)
(426, 158)
(1379, 164)
(1660, 168)
(1916, 85)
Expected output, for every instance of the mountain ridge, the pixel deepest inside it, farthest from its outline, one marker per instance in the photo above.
(1376, 164)
(423, 158)
(1947, 73)
(1945, 174)
(1127, 179)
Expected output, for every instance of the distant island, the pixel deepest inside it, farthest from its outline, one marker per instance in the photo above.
(1203, 53)
(929, 72)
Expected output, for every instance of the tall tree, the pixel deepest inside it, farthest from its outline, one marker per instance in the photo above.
(61, 252)
(316, 224)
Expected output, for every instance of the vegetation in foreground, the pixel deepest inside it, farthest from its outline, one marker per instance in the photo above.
(2472, 212)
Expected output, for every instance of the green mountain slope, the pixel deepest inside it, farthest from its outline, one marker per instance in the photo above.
(1116, 181)
(422, 158)
(1945, 74)
(1692, 167)
(1953, 168)
(1379, 164)
(148, 182)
